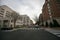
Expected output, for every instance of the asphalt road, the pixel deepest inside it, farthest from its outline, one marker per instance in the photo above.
(27, 35)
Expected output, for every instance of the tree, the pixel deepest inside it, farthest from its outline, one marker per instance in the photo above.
(36, 20)
(14, 16)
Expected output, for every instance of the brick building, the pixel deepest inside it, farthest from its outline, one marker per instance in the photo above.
(51, 11)
(41, 19)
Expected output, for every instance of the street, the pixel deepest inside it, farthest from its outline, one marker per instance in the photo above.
(25, 34)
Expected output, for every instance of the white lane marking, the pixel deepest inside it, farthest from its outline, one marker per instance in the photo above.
(55, 32)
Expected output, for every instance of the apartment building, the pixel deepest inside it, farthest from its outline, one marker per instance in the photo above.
(6, 16)
(19, 21)
(26, 20)
(51, 11)
(41, 19)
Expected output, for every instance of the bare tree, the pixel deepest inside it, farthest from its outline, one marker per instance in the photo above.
(36, 19)
(14, 16)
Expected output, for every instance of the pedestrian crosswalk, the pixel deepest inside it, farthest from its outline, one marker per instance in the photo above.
(55, 32)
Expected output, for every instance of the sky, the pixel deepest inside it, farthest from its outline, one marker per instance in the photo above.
(31, 8)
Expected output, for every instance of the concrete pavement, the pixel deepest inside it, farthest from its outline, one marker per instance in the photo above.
(53, 31)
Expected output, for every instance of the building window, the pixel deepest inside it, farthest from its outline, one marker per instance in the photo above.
(49, 13)
(48, 5)
(49, 10)
(7, 14)
(2, 8)
(1, 13)
(1, 16)
(48, 0)
(50, 16)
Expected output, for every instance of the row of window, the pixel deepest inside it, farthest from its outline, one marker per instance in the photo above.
(49, 10)
(7, 14)
(1, 12)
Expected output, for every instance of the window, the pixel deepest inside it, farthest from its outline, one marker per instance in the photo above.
(2, 8)
(50, 16)
(11, 20)
(48, 0)
(49, 13)
(1, 16)
(8, 14)
(48, 6)
(1, 13)
(49, 10)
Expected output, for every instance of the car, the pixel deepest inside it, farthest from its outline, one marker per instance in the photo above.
(6, 28)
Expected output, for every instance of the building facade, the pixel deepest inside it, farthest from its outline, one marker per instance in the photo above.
(6, 20)
(41, 19)
(26, 20)
(51, 11)
(9, 18)
(5, 17)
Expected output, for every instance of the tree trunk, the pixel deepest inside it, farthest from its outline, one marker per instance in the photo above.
(14, 23)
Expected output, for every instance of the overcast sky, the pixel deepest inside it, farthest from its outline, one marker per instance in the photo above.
(29, 7)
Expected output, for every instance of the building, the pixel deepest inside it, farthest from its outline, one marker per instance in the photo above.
(19, 21)
(5, 17)
(10, 18)
(41, 19)
(51, 11)
(6, 20)
(26, 20)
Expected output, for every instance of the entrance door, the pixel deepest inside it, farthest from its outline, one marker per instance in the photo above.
(5, 23)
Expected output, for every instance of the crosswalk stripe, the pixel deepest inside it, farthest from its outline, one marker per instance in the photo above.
(55, 32)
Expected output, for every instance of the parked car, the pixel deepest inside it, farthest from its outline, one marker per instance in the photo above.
(6, 28)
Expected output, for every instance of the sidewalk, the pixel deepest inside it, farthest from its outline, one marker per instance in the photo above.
(9, 30)
(55, 31)
(22, 29)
